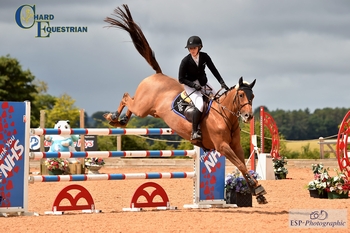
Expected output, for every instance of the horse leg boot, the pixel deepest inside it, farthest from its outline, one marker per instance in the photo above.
(256, 189)
(196, 133)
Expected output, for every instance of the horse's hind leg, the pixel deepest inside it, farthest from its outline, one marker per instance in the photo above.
(113, 118)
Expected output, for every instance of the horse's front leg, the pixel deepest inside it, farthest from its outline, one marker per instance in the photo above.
(237, 159)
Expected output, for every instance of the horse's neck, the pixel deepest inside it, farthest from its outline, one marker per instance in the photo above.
(225, 111)
(226, 106)
(228, 100)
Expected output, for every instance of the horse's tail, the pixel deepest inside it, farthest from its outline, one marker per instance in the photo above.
(125, 21)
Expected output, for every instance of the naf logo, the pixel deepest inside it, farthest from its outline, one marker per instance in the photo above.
(26, 18)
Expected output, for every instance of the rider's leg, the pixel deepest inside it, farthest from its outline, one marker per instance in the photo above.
(197, 100)
(196, 132)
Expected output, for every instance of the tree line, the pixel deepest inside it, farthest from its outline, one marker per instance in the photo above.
(304, 125)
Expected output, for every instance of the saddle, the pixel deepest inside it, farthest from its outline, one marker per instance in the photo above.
(183, 106)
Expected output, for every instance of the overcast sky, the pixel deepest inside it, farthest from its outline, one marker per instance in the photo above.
(298, 51)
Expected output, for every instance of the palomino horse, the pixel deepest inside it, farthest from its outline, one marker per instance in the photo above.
(155, 94)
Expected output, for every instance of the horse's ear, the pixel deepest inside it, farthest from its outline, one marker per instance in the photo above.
(240, 82)
(252, 84)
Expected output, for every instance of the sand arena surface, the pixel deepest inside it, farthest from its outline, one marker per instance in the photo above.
(112, 196)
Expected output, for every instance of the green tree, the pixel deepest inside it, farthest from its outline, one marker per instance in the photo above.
(63, 109)
(98, 119)
(17, 85)
(185, 145)
(131, 142)
(43, 100)
(161, 145)
(107, 143)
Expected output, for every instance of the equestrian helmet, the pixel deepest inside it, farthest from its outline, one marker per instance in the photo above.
(194, 41)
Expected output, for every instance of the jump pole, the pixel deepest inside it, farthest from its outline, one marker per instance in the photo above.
(208, 165)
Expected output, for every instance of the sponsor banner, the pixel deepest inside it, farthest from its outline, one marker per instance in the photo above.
(212, 170)
(90, 143)
(12, 154)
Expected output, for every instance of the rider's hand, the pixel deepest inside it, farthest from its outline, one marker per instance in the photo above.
(197, 87)
(223, 85)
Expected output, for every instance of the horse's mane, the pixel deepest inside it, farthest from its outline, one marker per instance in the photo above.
(125, 21)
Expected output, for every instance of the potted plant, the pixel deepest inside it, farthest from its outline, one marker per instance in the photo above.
(338, 186)
(56, 166)
(279, 169)
(94, 165)
(317, 187)
(237, 190)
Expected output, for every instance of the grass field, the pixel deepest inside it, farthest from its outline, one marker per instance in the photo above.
(313, 145)
(298, 145)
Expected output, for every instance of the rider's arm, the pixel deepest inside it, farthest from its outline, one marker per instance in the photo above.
(183, 74)
(213, 69)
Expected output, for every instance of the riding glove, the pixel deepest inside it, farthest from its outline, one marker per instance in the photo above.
(223, 85)
(197, 87)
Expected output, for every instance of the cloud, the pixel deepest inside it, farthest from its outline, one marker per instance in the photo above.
(297, 50)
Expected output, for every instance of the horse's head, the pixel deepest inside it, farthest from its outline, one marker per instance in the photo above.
(244, 99)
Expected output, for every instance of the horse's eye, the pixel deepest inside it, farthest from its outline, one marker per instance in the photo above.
(241, 95)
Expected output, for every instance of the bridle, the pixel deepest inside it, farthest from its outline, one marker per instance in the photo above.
(248, 92)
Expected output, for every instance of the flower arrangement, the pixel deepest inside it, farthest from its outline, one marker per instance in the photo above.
(56, 164)
(339, 183)
(321, 177)
(94, 162)
(324, 183)
(279, 169)
(235, 181)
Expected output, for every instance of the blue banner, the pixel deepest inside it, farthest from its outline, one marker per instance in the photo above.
(12, 154)
(212, 175)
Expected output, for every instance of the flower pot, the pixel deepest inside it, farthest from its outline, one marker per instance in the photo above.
(334, 195)
(314, 193)
(280, 176)
(93, 169)
(56, 172)
(241, 200)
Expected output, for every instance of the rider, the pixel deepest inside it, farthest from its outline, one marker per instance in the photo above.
(192, 75)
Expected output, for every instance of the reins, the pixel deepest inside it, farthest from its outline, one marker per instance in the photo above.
(238, 113)
(236, 101)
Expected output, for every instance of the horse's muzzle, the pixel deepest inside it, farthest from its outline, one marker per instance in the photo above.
(246, 117)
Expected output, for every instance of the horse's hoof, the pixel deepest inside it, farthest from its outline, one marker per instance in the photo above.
(114, 124)
(124, 120)
(261, 199)
(108, 116)
(112, 117)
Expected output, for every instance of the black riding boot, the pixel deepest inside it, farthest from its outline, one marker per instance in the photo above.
(196, 133)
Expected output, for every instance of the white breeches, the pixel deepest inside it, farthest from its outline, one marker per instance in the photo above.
(196, 96)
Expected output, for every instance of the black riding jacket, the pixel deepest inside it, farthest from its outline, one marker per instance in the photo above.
(189, 71)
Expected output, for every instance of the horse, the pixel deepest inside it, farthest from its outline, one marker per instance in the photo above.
(155, 94)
